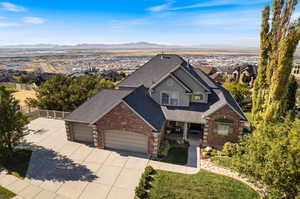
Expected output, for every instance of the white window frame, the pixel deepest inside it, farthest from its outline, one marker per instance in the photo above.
(202, 101)
(170, 93)
(224, 125)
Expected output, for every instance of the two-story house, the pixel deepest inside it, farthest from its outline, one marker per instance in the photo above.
(164, 95)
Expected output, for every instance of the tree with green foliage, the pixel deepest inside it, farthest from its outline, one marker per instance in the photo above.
(12, 123)
(278, 44)
(260, 82)
(123, 74)
(63, 93)
(271, 156)
(240, 92)
(291, 97)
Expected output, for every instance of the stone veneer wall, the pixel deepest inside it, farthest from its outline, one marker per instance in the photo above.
(123, 118)
(70, 135)
(210, 136)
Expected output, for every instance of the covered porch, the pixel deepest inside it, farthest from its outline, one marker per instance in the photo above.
(184, 131)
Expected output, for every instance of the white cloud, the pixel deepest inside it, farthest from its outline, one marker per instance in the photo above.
(162, 7)
(212, 3)
(3, 25)
(12, 7)
(34, 20)
(2, 17)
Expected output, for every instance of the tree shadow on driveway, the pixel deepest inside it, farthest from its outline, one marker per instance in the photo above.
(48, 165)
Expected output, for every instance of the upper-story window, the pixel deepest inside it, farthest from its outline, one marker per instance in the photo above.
(170, 98)
(198, 97)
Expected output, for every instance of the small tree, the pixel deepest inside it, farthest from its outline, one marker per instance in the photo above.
(240, 92)
(12, 123)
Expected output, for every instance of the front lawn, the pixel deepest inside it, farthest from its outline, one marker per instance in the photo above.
(18, 164)
(6, 194)
(203, 185)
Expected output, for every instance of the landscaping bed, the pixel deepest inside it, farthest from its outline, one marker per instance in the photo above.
(6, 194)
(203, 185)
(173, 151)
(18, 164)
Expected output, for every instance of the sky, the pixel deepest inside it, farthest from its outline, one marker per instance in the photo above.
(173, 22)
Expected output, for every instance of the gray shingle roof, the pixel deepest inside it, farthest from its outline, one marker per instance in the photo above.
(146, 107)
(99, 104)
(153, 71)
(138, 99)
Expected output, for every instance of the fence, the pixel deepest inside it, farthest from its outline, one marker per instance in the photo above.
(18, 85)
(47, 113)
(53, 114)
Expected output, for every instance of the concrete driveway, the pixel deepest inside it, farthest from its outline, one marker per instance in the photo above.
(63, 169)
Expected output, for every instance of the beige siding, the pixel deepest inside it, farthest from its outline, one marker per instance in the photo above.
(169, 84)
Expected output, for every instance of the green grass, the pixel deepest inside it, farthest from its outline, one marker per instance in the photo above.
(222, 161)
(203, 185)
(31, 118)
(11, 90)
(177, 155)
(6, 194)
(18, 164)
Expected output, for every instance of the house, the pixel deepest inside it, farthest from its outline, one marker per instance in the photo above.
(111, 75)
(212, 72)
(245, 73)
(166, 95)
(296, 71)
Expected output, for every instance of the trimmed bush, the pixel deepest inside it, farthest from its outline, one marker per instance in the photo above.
(144, 184)
(149, 170)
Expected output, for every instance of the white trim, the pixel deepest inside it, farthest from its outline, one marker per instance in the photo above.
(139, 115)
(222, 107)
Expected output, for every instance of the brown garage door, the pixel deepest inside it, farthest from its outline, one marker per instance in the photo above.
(83, 133)
(128, 141)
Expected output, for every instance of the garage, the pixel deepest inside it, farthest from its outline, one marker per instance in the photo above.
(128, 141)
(83, 133)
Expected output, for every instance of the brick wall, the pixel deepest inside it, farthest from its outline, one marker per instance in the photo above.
(215, 140)
(123, 118)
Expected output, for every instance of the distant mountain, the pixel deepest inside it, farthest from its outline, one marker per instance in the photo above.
(137, 45)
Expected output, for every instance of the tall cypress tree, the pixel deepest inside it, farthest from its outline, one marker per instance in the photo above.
(270, 95)
(260, 83)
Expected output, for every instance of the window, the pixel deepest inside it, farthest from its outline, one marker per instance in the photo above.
(223, 129)
(197, 97)
(165, 98)
(170, 98)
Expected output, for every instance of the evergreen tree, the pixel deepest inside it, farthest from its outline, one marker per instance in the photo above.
(276, 60)
(260, 83)
(12, 123)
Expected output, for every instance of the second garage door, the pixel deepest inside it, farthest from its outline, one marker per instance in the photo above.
(83, 133)
(128, 141)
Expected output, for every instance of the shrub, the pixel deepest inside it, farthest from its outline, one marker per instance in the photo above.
(164, 148)
(149, 170)
(230, 149)
(140, 191)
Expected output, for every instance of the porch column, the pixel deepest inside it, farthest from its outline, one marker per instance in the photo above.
(185, 131)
